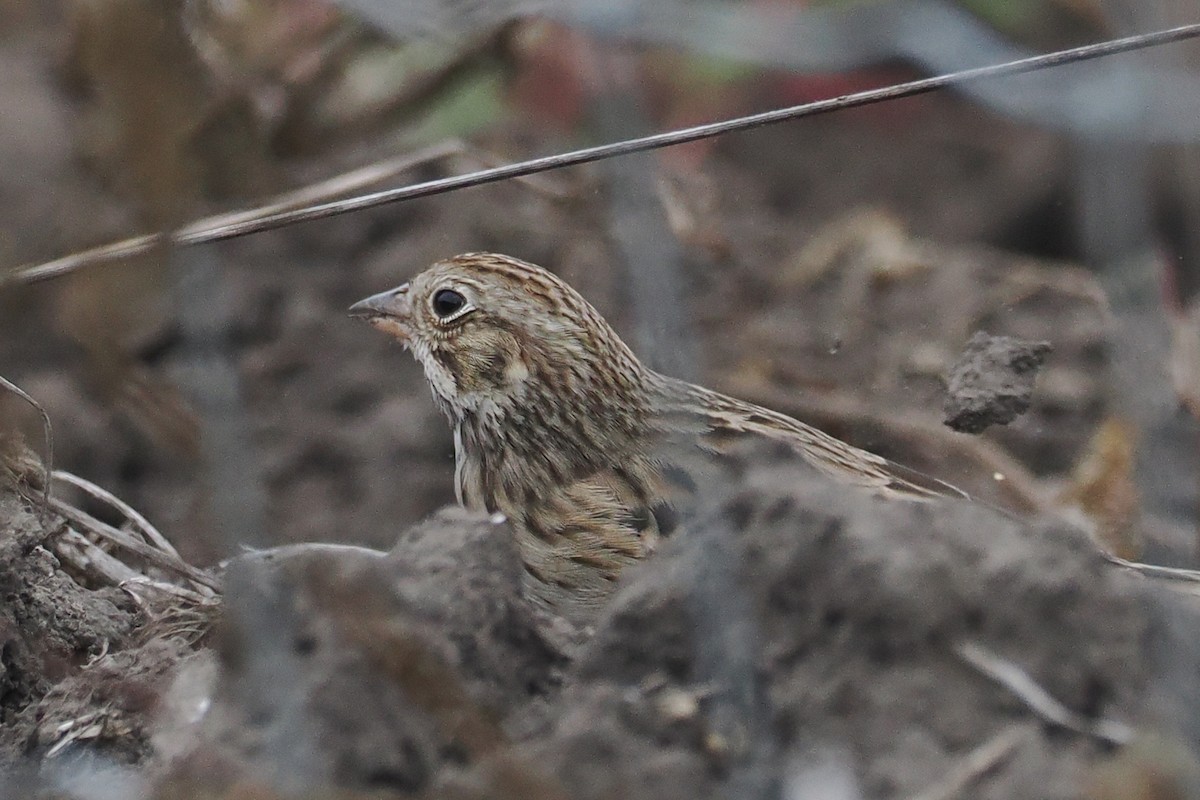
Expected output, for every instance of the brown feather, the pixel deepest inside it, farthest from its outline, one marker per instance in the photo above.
(591, 455)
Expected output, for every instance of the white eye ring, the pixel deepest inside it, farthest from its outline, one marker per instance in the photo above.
(448, 304)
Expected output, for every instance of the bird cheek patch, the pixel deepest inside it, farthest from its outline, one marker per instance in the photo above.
(516, 371)
(499, 366)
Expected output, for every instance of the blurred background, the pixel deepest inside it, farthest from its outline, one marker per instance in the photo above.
(832, 268)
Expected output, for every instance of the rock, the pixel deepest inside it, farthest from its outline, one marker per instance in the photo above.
(463, 573)
(857, 606)
(348, 667)
(992, 382)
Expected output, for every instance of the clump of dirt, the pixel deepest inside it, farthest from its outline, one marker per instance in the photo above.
(796, 619)
(343, 666)
(860, 607)
(84, 656)
(992, 381)
(464, 575)
(52, 628)
(107, 708)
(855, 330)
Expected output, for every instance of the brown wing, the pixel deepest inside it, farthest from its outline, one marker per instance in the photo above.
(720, 423)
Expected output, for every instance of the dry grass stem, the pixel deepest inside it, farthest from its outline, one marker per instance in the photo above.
(977, 763)
(200, 231)
(321, 191)
(1155, 571)
(95, 725)
(149, 531)
(87, 558)
(126, 541)
(218, 226)
(175, 612)
(47, 434)
(1037, 699)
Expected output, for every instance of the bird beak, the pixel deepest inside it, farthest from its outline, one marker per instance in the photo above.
(388, 311)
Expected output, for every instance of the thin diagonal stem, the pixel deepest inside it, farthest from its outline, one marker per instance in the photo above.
(204, 232)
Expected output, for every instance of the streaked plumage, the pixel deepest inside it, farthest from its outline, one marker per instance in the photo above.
(557, 424)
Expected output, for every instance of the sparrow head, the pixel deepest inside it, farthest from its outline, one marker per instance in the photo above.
(491, 330)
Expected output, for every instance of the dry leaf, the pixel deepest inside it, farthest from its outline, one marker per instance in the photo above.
(1184, 361)
(1102, 486)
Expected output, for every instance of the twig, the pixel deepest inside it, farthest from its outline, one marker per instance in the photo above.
(345, 183)
(47, 435)
(91, 725)
(977, 763)
(85, 556)
(133, 585)
(210, 228)
(1037, 699)
(322, 191)
(149, 531)
(201, 233)
(1155, 571)
(122, 539)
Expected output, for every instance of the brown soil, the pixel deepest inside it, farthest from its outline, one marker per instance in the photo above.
(845, 646)
(801, 637)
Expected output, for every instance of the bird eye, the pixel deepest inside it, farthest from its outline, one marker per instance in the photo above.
(447, 301)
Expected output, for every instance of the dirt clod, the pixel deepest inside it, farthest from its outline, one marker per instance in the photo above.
(70, 667)
(423, 670)
(343, 666)
(992, 382)
(859, 604)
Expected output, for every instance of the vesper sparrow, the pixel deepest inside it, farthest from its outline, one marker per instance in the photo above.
(586, 451)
